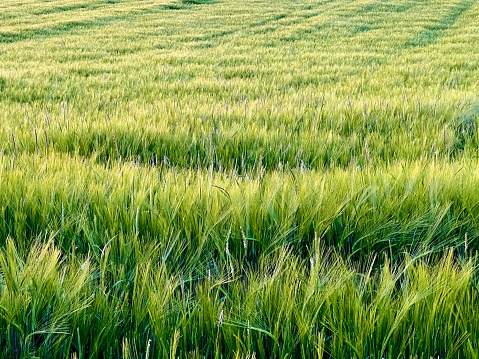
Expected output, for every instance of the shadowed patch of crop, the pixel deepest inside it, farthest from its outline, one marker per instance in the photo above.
(465, 130)
(197, 2)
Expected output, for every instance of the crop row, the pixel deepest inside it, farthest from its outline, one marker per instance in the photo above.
(424, 206)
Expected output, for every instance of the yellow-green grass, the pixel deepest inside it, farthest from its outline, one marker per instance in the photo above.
(413, 207)
(239, 179)
(326, 79)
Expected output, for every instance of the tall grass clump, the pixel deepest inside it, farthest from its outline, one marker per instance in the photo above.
(42, 300)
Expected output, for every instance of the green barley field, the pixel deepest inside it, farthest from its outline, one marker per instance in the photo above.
(239, 179)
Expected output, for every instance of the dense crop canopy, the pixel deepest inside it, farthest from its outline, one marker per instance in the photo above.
(220, 178)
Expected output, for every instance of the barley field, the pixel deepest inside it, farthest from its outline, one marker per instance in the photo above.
(239, 179)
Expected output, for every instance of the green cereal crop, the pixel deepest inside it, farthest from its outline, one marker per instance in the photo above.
(240, 179)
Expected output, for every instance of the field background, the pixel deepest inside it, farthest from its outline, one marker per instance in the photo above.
(239, 178)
